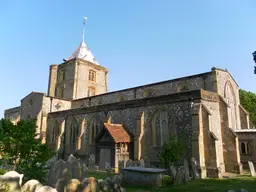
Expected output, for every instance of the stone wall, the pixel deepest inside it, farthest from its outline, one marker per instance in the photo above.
(13, 114)
(126, 113)
(67, 82)
(227, 87)
(200, 81)
(31, 107)
(211, 103)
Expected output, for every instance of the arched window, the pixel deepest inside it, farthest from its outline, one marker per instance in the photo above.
(74, 131)
(162, 127)
(245, 148)
(231, 100)
(55, 132)
(91, 91)
(92, 75)
(94, 130)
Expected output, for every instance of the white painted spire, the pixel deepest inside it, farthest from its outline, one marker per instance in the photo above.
(82, 51)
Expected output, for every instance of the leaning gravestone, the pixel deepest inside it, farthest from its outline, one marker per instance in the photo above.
(179, 179)
(194, 168)
(31, 185)
(251, 167)
(186, 169)
(14, 174)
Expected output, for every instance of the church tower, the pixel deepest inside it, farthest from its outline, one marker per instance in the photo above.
(79, 76)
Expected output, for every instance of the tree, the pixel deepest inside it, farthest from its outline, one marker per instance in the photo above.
(173, 150)
(21, 150)
(248, 101)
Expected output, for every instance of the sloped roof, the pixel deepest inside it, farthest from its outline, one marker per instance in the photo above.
(83, 52)
(118, 133)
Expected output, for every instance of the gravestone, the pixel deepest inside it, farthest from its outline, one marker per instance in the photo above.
(31, 185)
(179, 179)
(173, 172)
(74, 168)
(91, 162)
(56, 171)
(194, 168)
(251, 167)
(186, 170)
(9, 183)
(14, 174)
(142, 163)
(129, 163)
(120, 166)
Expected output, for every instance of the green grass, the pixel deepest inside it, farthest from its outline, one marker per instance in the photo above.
(202, 185)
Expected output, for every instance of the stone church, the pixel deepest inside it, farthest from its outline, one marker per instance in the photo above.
(79, 116)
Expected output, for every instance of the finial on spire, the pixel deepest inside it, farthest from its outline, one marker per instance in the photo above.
(84, 18)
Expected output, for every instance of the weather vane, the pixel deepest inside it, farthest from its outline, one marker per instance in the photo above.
(84, 18)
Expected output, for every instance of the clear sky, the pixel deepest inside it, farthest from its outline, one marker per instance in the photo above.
(139, 41)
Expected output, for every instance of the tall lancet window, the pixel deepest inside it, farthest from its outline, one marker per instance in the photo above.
(74, 131)
(55, 132)
(162, 127)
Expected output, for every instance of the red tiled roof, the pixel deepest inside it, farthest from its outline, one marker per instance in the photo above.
(117, 132)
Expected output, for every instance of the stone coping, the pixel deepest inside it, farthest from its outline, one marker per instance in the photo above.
(245, 130)
(143, 169)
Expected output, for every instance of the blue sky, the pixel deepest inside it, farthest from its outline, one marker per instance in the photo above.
(139, 41)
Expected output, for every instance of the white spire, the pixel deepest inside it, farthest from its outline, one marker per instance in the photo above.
(83, 52)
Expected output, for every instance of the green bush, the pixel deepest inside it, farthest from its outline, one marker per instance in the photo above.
(21, 150)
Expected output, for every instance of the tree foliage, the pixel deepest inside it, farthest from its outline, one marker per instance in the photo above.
(248, 101)
(173, 150)
(21, 150)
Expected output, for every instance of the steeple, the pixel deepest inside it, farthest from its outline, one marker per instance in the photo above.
(82, 51)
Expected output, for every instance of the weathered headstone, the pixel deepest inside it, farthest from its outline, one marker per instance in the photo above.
(194, 168)
(46, 189)
(31, 185)
(142, 163)
(179, 179)
(251, 167)
(74, 167)
(129, 163)
(10, 183)
(90, 184)
(120, 166)
(56, 172)
(186, 170)
(91, 162)
(173, 171)
(72, 185)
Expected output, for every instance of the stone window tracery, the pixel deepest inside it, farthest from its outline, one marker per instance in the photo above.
(92, 75)
(231, 100)
(162, 127)
(55, 132)
(245, 148)
(94, 130)
(74, 131)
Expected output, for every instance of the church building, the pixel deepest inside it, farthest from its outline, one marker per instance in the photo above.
(79, 116)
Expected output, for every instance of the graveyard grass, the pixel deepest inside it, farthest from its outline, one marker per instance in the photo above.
(203, 185)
